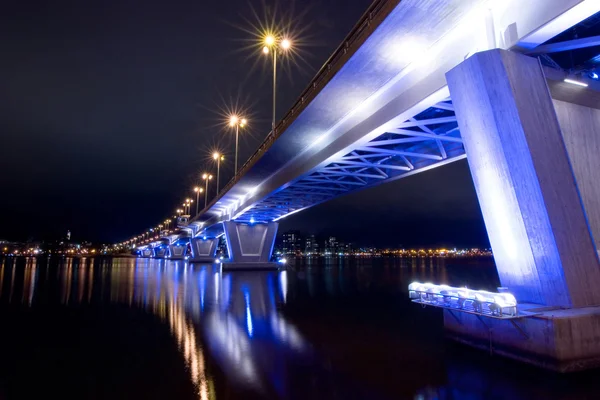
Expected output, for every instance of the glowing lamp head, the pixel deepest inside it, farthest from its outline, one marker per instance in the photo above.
(233, 120)
(243, 122)
(270, 40)
(196, 189)
(286, 44)
(265, 50)
(204, 176)
(216, 155)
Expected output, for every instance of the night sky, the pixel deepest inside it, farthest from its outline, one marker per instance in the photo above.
(109, 111)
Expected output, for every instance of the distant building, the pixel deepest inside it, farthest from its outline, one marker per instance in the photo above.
(292, 243)
(348, 248)
(331, 245)
(311, 246)
(222, 247)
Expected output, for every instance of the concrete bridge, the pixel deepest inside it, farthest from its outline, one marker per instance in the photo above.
(422, 83)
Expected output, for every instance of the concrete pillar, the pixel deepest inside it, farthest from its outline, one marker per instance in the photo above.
(203, 250)
(580, 125)
(160, 251)
(250, 245)
(177, 251)
(537, 188)
(147, 252)
(527, 190)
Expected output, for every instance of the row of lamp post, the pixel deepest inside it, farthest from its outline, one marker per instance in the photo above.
(273, 45)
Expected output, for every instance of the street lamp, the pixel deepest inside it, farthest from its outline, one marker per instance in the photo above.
(206, 177)
(238, 122)
(188, 204)
(219, 157)
(271, 45)
(197, 190)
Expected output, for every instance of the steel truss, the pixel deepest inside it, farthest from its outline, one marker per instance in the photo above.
(422, 141)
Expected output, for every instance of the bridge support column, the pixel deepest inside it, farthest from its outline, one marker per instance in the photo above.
(177, 251)
(535, 168)
(160, 252)
(203, 250)
(147, 252)
(250, 246)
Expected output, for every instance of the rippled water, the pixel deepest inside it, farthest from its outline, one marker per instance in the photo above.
(335, 329)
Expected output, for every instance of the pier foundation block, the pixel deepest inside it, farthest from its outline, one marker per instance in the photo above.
(250, 245)
(203, 250)
(532, 153)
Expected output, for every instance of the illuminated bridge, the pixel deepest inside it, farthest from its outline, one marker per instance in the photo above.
(421, 83)
(379, 109)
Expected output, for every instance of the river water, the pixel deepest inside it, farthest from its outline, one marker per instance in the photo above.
(128, 328)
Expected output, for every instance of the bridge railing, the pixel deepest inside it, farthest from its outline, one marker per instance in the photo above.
(376, 13)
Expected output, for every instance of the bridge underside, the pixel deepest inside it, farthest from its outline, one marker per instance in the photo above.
(534, 163)
(429, 139)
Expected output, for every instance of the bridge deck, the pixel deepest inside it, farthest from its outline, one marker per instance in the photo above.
(379, 110)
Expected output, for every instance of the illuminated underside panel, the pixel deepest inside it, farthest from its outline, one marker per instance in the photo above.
(419, 143)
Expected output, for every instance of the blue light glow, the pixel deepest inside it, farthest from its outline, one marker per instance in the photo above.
(249, 326)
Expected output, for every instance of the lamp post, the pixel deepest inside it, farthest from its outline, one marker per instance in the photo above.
(237, 122)
(188, 204)
(197, 190)
(219, 157)
(206, 177)
(271, 45)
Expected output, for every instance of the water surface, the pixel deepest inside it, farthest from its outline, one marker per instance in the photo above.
(321, 329)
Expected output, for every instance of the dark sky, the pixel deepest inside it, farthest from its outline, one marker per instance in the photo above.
(110, 109)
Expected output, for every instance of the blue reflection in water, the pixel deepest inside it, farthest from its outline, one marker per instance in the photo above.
(248, 312)
(236, 320)
(233, 309)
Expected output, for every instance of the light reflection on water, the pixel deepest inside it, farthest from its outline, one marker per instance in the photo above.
(336, 330)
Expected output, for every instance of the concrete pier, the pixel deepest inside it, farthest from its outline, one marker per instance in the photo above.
(250, 245)
(534, 164)
(177, 251)
(203, 250)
